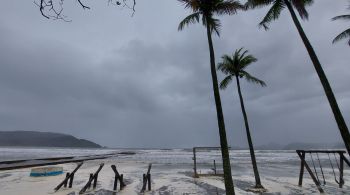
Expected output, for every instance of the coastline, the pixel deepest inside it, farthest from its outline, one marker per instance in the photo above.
(172, 174)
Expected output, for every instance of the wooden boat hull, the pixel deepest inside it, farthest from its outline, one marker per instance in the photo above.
(46, 171)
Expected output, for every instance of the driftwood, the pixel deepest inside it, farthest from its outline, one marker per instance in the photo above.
(116, 178)
(146, 178)
(93, 178)
(70, 177)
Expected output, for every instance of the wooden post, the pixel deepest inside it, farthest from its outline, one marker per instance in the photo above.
(214, 167)
(115, 183)
(71, 180)
(195, 163)
(311, 174)
(90, 179)
(65, 183)
(121, 181)
(146, 178)
(95, 181)
(144, 183)
(301, 168)
(341, 171)
(93, 178)
(70, 175)
(117, 177)
(149, 181)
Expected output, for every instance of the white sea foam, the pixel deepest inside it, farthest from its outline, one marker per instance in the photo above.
(171, 172)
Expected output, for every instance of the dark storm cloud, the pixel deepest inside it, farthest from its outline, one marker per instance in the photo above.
(137, 82)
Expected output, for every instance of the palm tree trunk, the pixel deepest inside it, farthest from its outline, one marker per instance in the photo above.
(221, 123)
(344, 131)
(250, 142)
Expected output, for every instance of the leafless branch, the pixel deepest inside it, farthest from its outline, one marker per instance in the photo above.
(53, 9)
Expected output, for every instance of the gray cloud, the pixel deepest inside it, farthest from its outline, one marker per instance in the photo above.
(137, 82)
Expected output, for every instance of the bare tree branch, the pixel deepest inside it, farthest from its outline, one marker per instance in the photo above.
(82, 5)
(53, 9)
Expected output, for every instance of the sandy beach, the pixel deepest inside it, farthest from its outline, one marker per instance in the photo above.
(170, 175)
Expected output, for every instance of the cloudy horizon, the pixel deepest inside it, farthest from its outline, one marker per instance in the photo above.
(124, 81)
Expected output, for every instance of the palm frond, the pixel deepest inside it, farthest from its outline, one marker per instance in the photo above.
(228, 7)
(246, 61)
(226, 65)
(191, 19)
(252, 79)
(273, 13)
(213, 23)
(252, 4)
(341, 17)
(343, 35)
(191, 4)
(300, 7)
(234, 66)
(224, 83)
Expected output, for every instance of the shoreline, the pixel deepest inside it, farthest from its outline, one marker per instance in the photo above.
(28, 163)
(171, 176)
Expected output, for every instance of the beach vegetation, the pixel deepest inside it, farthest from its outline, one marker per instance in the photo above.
(276, 7)
(204, 11)
(234, 67)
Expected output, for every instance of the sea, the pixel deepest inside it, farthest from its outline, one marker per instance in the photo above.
(275, 166)
(161, 156)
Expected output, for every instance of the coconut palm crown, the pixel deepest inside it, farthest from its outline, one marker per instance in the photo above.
(345, 34)
(234, 68)
(276, 8)
(235, 65)
(205, 10)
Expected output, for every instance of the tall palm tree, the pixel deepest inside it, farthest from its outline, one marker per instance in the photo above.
(234, 67)
(345, 34)
(276, 8)
(205, 10)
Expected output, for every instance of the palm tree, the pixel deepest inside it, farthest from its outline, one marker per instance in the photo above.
(299, 5)
(234, 67)
(345, 34)
(205, 10)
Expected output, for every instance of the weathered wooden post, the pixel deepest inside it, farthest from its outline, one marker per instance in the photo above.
(214, 167)
(71, 180)
(301, 168)
(117, 177)
(146, 179)
(341, 171)
(310, 172)
(92, 178)
(95, 181)
(195, 163)
(65, 183)
(149, 181)
(115, 183)
(70, 177)
(122, 185)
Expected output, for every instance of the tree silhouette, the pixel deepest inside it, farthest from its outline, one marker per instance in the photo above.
(276, 8)
(234, 67)
(53, 9)
(204, 11)
(345, 34)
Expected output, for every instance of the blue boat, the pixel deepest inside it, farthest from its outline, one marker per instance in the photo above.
(46, 171)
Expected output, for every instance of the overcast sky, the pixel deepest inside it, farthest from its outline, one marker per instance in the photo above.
(125, 81)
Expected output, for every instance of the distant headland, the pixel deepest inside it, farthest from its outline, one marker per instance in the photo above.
(43, 139)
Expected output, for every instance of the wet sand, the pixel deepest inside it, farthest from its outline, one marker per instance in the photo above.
(167, 180)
